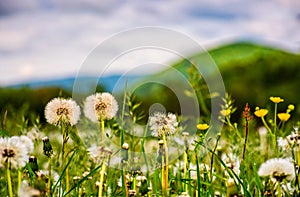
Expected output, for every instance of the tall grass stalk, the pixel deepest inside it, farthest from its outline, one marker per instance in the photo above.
(9, 183)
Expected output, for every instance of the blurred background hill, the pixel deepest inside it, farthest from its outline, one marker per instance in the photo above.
(251, 73)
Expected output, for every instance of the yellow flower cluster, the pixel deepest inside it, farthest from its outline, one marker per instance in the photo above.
(282, 116)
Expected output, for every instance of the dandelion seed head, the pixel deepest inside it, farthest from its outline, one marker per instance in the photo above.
(45, 173)
(161, 123)
(100, 106)
(60, 110)
(34, 134)
(278, 169)
(98, 153)
(27, 191)
(262, 131)
(282, 143)
(25, 140)
(232, 162)
(13, 151)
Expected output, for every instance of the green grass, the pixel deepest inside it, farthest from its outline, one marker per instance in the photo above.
(207, 172)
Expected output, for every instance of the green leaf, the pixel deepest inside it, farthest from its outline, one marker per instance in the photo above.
(3, 133)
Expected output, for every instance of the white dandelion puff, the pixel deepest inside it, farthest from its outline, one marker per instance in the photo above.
(13, 151)
(45, 173)
(99, 153)
(282, 143)
(25, 140)
(100, 106)
(232, 162)
(161, 123)
(27, 191)
(35, 135)
(60, 110)
(278, 169)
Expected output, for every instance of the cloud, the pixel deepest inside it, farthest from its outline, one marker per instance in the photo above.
(54, 37)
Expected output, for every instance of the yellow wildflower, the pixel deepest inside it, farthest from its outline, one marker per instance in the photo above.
(225, 112)
(284, 116)
(276, 99)
(202, 126)
(291, 107)
(261, 112)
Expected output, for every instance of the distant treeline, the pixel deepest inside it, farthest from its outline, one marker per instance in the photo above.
(26, 102)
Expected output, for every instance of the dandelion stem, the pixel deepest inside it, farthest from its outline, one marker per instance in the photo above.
(68, 179)
(103, 169)
(102, 131)
(124, 183)
(9, 180)
(278, 189)
(19, 180)
(64, 157)
(163, 173)
(185, 169)
(166, 171)
(134, 183)
(49, 178)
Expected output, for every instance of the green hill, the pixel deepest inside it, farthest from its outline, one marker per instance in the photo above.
(251, 73)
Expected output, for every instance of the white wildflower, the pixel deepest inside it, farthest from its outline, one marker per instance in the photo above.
(100, 106)
(45, 173)
(25, 140)
(60, 110)
(162, 124)
(35, 135)
(293, 139)
(27, 191)
(14, 152)
(278, 169)
(98, 153)
(282, 143)
(184, 194)
(232, 162)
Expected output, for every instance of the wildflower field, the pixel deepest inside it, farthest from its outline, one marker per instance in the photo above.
(114, 145)
(72, 153)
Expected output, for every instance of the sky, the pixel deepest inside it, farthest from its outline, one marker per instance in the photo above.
(48, 39)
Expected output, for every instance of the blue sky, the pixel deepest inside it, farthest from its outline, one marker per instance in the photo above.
(51, 38)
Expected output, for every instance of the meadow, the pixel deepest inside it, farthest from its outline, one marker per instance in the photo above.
(103, 146)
